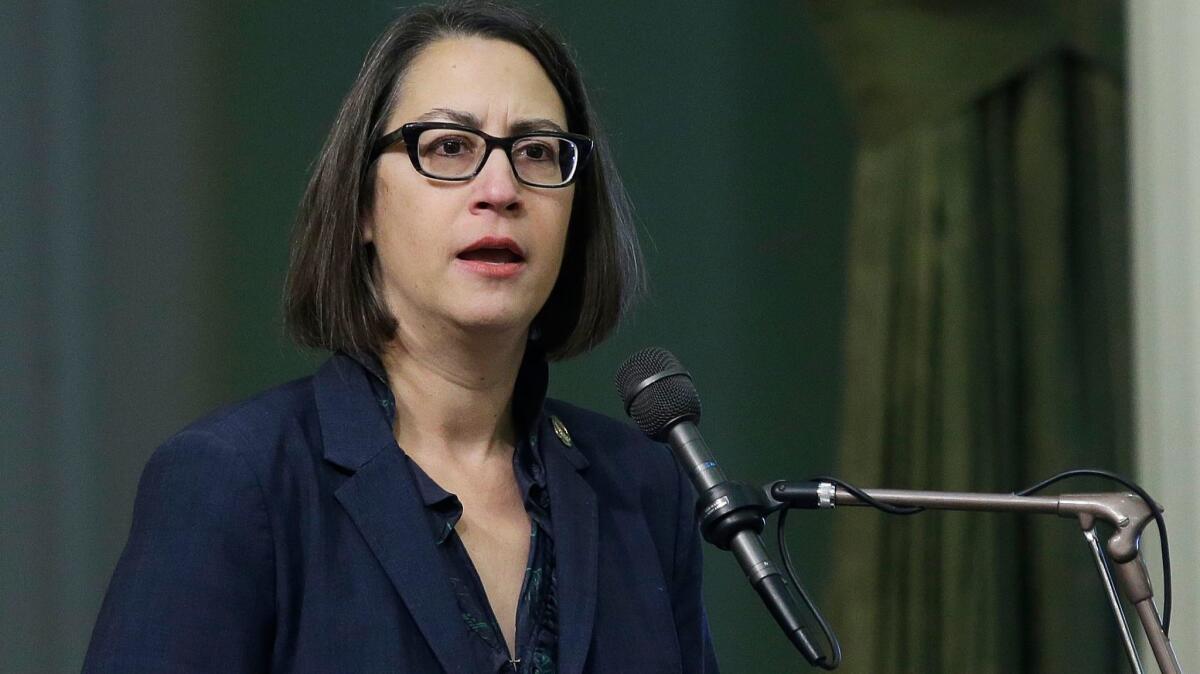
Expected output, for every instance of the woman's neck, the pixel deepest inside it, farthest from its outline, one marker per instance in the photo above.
(454, 396)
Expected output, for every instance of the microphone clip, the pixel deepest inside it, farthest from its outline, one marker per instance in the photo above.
(728, 508)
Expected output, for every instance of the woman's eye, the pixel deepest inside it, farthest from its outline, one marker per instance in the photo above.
(536, 151)
(449, 146)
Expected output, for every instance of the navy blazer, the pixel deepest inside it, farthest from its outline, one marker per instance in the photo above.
(285, 534)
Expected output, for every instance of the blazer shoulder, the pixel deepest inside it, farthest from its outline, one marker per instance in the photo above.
(194, 587)
(256, 421)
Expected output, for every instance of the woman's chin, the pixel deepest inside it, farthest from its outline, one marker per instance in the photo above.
(492, 323)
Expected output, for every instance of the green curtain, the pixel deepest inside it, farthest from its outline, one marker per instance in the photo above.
(987, 328)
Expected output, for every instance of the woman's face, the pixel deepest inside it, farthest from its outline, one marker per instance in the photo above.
(481, 255)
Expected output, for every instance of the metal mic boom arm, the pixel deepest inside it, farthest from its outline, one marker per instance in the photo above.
(1127, 513)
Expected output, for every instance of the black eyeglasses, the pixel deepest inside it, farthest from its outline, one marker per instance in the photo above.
(447, 151)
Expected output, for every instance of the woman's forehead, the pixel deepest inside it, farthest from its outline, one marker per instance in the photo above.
(493, 81)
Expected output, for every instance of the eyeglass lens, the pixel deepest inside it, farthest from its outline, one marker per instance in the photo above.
(538, 160)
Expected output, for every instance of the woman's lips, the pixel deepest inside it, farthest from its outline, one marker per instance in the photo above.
(494, 257)
(497, 244)
(491, 269)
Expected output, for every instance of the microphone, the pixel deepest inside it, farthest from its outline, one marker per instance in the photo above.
(660, 397)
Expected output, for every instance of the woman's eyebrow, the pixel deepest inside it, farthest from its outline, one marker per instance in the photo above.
(456, 116)
(535, 124)
(469, 119)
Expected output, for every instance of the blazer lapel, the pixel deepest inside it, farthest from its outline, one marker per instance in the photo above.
(381, 498)
(576, 527)
(383, 504)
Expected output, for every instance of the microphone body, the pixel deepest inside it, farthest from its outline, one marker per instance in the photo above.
(659, 395)
(747, 546)
(693, 454)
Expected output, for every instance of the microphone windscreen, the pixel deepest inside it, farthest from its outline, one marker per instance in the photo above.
(657, 391)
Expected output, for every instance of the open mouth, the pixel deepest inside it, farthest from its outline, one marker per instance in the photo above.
(493, 250)
(492, 255)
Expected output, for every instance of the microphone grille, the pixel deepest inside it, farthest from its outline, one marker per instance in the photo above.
(656, 391)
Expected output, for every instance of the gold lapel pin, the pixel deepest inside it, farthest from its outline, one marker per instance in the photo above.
(561, 431)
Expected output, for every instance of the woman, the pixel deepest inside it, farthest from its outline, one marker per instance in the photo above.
(418, 505)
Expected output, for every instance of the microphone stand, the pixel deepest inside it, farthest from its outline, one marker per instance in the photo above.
(1126, 513)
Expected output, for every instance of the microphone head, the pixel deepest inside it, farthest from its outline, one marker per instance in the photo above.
(657, 391)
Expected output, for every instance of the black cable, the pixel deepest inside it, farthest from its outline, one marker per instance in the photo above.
(1155, 510)
(870, 500)
(835, 659)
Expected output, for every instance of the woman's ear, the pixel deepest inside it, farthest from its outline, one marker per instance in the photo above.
(368, 229)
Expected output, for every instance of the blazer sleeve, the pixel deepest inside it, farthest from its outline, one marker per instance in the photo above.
(193, 590)
(687, 597)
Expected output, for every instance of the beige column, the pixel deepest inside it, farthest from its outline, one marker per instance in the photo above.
(1164, 77)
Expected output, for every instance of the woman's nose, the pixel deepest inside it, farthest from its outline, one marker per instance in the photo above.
(496, 185)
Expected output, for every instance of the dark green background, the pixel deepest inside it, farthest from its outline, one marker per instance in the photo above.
(155, 154)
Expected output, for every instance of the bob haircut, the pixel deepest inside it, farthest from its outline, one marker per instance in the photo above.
(332, 300)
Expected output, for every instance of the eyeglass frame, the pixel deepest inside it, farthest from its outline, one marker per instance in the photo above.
(411, 132)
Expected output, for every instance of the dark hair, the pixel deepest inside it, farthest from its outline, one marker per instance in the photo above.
(332, 300)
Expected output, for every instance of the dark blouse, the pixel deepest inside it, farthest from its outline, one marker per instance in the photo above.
(537, 612)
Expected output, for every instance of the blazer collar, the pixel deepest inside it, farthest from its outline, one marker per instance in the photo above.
(529, 394)
(381, 498)
(352, 394)
(354, 428)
